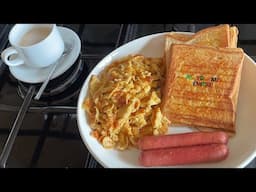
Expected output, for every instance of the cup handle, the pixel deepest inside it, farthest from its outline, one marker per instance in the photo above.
(7, 53)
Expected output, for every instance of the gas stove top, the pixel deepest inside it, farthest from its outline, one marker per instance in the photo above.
(47, 132)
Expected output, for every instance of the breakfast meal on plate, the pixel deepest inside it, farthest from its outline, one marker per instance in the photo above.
(123, 104)
(196, 84)
(202, 85)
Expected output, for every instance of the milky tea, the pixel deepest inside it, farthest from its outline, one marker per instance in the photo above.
(34, 36)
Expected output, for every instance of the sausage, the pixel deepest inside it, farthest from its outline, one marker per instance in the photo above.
(180, 140)
(184, 155)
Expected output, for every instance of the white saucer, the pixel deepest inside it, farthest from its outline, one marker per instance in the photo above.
(38, 75)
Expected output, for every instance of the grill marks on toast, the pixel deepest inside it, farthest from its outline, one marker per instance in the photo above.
(177, 93)
(219, 85)
(199, 106)
(198, 103)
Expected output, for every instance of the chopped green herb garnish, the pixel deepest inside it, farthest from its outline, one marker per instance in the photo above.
(201, 77)
(188, 76)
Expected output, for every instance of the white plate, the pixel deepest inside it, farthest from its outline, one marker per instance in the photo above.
(36, 75)
(242, 146)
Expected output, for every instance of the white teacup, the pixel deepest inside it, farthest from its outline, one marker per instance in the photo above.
(35, 45)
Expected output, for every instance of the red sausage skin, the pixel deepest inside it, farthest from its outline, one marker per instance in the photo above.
(181, 140)
(184, 155)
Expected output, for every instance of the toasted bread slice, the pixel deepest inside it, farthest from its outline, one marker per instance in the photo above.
(202, 85)
(183, 37)
(217, 36)
(233, 37)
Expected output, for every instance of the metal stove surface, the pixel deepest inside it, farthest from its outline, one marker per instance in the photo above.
(48, 135)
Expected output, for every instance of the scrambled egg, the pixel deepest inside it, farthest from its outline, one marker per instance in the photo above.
(123, 103)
